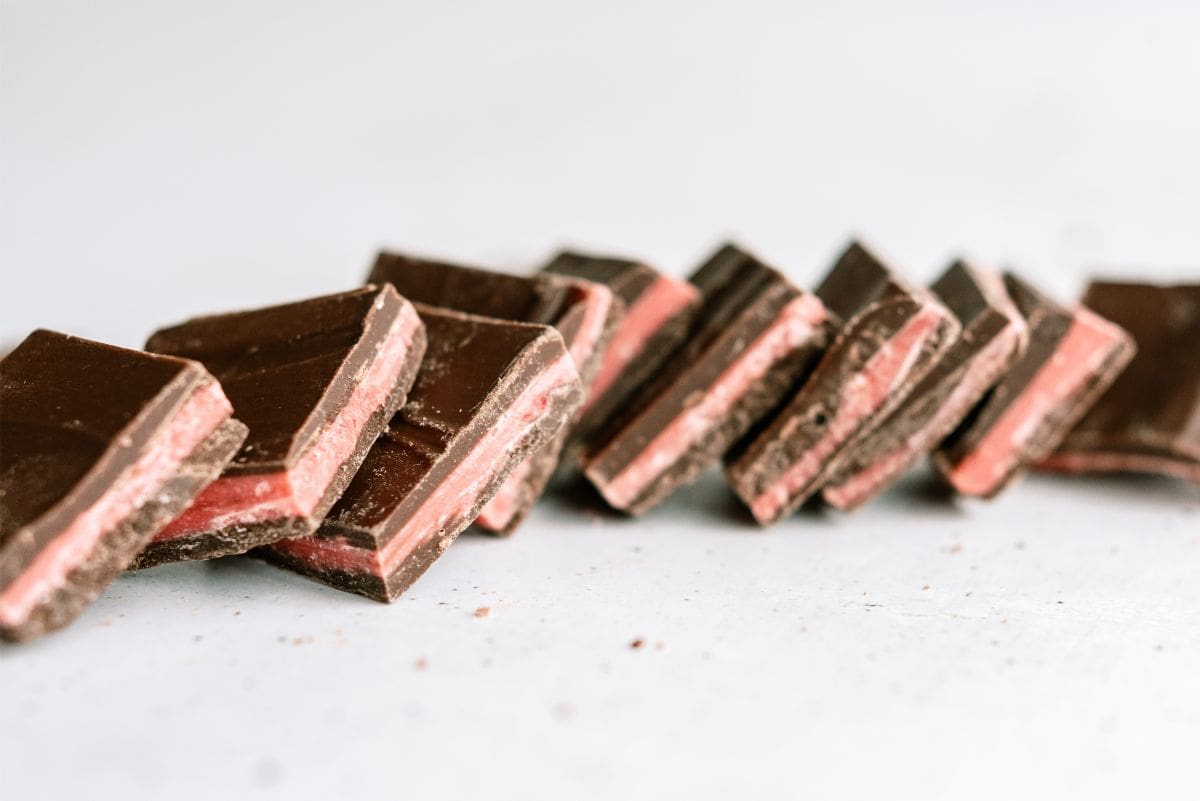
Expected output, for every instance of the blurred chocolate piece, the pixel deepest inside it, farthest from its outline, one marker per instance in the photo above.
(755, 336)
(1149, 420)
(316, 382)
(99, 448)
(658, 313)
(583, 312)
(1073, 355)
(991, 338)
(488, 394)
(893, 335)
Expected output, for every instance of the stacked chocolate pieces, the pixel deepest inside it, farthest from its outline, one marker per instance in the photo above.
(755, 337)
(1149, 421)
(583, 312)
(100, 448)
(489, 394)
(892, 336)
(315, 381)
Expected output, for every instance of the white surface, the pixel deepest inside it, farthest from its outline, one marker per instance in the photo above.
(161, 160)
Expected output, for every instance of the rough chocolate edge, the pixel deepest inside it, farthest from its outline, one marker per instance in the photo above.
(389, 588)
(769, 451)
(780, 379)
(543, 462)
(119, 545)
(241, 537)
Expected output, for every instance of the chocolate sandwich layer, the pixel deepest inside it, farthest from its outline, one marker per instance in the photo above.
(1073, 355)
(99, 448)
(316, 382)
(658, 314)
(892, 336)
(992, 336)
(583, 312)
(755, 336)
(1148, 421)
(489, 393)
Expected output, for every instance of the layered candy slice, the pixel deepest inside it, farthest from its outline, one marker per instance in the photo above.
(583, 312)
(1073, 355)
(316, 382)
(893, 334)
(1149, 420)
(658, 313)
(991, 339)
(488, 394)
(100, 447)
(756, 336)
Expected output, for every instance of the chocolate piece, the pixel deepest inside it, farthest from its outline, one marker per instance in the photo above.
(583, 312)
(1149, 420)
(992, 337)
(488, 393)
(316, 382)
(100, 447)
(894, 333)
(1072, 357)
(658, 313)
(756, 336)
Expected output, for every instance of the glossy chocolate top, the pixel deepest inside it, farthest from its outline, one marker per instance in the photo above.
(474, 369)
(74, 414)
(287, 369)
(1155, 403)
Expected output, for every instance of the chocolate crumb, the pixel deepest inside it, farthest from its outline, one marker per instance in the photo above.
(421, 663)
(638, 643)
(483, 611)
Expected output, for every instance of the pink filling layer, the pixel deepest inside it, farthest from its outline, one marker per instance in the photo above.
(199, 416)
(863, 395)
(985, 368)
(295, 492)
(1113, 462)
(662, 300)
(597, 300)
(1088, 343)
(457, 493)
(791, 329)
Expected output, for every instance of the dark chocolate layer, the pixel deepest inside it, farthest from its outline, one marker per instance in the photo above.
(287, 369)
(978, 301)
(1149, 419)
(877, 305)
(75, 414)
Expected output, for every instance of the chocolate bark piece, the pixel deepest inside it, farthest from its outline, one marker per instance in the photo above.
(894, 333)
(489, 393)
(991, 339)
(1073, 355)
(316, 382)
(1148, 421)
(583, 312)
(99, 448)
(755, 337)
(658, 314)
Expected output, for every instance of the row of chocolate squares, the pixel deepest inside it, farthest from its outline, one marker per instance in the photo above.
(352, 437)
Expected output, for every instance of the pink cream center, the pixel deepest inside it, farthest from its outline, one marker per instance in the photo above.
(661, 301)
(791, 329)
(295, 492)
(200, 415)
(457, 493)
(1079, 355)
(862, 396)
(506, 503)
(983, 371)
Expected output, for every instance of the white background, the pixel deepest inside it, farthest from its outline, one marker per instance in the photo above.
(165, 159)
